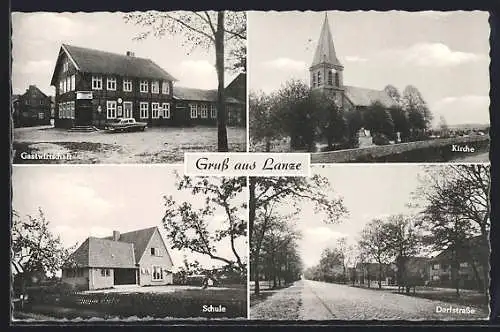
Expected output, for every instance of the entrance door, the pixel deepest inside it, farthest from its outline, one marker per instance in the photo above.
(127, 109)
(83, 113)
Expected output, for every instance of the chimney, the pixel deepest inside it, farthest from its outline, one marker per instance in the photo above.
(130, 53)
(116, 236)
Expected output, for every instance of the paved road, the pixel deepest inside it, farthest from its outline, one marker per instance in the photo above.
(325, 301)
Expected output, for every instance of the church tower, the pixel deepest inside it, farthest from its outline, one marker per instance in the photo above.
(326, 71)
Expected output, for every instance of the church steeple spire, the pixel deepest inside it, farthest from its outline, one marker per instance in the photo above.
(326, 71)
(325, 51)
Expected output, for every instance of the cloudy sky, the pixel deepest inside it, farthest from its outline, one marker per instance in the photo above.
(83, 201)
(444, 54)
(368, 191)
(37, 38)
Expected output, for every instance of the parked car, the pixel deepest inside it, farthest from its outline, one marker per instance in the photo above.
(126, 124)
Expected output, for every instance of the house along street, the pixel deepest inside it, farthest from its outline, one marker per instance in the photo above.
(327, 301)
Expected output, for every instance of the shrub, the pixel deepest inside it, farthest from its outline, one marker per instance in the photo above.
(380, 139)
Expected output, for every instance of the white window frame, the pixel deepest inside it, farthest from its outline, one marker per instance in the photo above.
(68, 83)
(204, 111)
(155, 87)
(165, 88)
(96, 82)
(154, 270)
(193, 111)
(213, 111)
(155, 110)
(464, 264)
(65, 66)
(127, 85)
(143, 111)
(112, 81)
(61, 87)
(64, 85)
(436, 266)
(144, 86)
(110, 109)
(166, 110)
(72, 113)
(73, 82)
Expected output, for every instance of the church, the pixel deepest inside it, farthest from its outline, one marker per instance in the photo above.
(327, 76)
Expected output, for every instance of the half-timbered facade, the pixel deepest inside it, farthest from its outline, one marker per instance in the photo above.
(94, 87)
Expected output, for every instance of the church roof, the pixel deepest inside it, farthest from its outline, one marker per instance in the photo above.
(365, 97)
(325, 51)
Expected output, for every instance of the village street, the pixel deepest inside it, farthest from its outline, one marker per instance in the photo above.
(325, 301)
(154, 145)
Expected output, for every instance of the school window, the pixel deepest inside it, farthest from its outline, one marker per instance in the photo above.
(155, 110)
(155, 87)
(165, 88)
(193, 111)
(213, 111)
(166, 110)
(111, 109)
(435, 266)
(68, 83)
(127, 85)
(61, 87)
(143, 86)
(157, 273)
(464, 264)
(73, 82)
(72, 109)
(41, 116)
(111, 83)
(65, 66)
(64, 86)
(143, 110)
(204, 111)
(96, 82)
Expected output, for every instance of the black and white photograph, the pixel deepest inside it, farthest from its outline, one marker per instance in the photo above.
(371, 242)
(367, 86)
(137, 87)
(127, 243)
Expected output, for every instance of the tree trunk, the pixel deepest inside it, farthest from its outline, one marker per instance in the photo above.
(268, 145)
(251, 207)
(222, 145)
(379, 275)
(256, 272)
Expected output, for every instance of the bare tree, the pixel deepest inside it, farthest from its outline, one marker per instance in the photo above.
(201, 29)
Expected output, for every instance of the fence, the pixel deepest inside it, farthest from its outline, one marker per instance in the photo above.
(431, 150)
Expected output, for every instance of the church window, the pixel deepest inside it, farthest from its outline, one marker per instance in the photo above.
(337, 81)
(314, 80)
(319, 78)
(330, 78)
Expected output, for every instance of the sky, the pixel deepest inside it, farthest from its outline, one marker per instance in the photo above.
(83, 201)
(368, 192)
(444, 54)
(37, 38)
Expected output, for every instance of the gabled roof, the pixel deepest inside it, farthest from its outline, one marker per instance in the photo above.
(325, 51)
(240, 80)
(139, 239)
(365, 97)
(183, 93)
(95, 61)
(97, 252)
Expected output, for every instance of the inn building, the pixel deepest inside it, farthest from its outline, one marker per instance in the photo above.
(94, 87)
